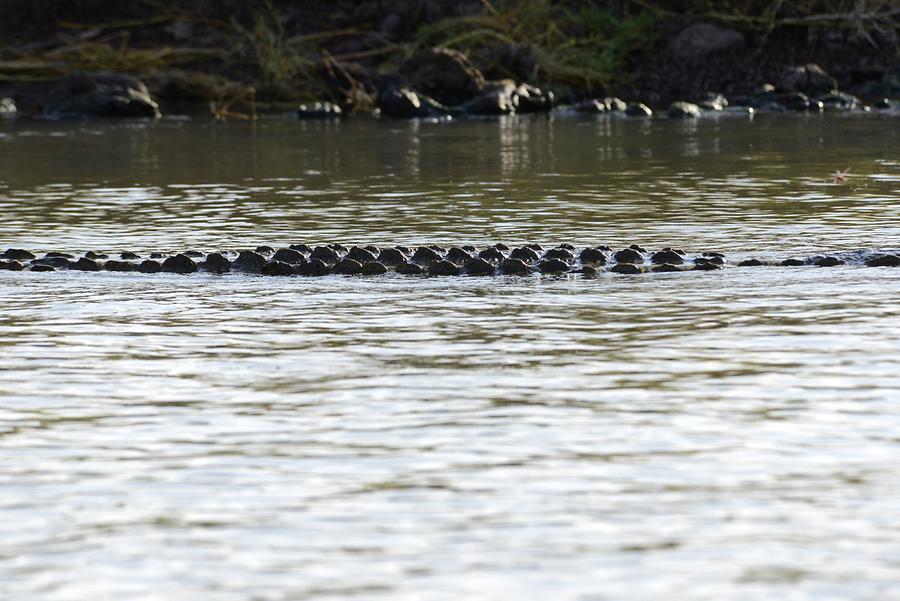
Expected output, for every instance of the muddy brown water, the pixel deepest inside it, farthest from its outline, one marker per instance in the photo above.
(723, 435)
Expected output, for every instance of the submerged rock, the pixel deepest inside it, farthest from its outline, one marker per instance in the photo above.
(883, 261)
(403, 103)
(602, 106)
(637, 109)
(109, 95)
(85, 264)
(683, 110)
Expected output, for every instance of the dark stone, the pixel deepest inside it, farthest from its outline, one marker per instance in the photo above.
(129, 256)
(303, 248)
(628, 255)
(340, 249)
(265, 250)
(700, 40)
(60, 255)
(315, 267)
(567, 246)
(180, 263)
(553, 266)
(18, 254)
(751, 263)
(85, 264)
(403, 103)
(536, 248)
(638, 248)
(115, 265)
(497, 98)
(374, 268)
(274, 267)
(602, 106)
(372, 249)
(215, 263)
(458, 256)
(665, 267)
(637, 109)
(529, 99)
(249, 262)
(101, 95)
(348, 266)
(883, 261)
(713, 102)
(513, 266)
(150, 266)
(795, 101)
(593, 256)
(11, 266)
(700, 265)
(391, 257)
(492, 254)
(667, 256)
(194, 254)
(362, 255)
(57, 262)
(683, 110)
(716, 258)
(809, 79)
(839, 101)
(626, 268)
(318, 110)
(525, 254)
(290, 256)
(883, 104)
(501, 247)
(157, 255)
(40, 267)
(479, 266)
(562, 254)
(444, 74)
(325, 254)
(589, 272)
(95, 256)
(792, 262)
(828, 262)
(443, 267)
(425, 256)
(407, 251)
(410, 268)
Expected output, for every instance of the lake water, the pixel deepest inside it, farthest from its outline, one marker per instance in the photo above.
(698, 435)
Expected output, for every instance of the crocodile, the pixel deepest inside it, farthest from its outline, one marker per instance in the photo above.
(430, 259)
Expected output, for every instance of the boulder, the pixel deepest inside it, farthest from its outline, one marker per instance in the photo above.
(215, 263)
(374, 268)
(553, 266)
(637, 109)
(7, 108)
(529, 99)
(101, 95)
(116, 265)
(497, 98)
(404, 103)
(180, 263)
(274, 267)
(391, 257)
(249, 262)
(18, 254)
(839, 101)
(85, 264)
(700, 40)
(444, 267)
(514, 267)
(809, 79)
(608, 104)
(348, 266)
(683, 110)
(407, 268)
(288, 255)
(443, 74)
(628, 255)
(479, 266)
(150, 266)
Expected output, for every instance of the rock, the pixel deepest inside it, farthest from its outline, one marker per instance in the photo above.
(274, 267)
(318, 110)
(362, 255)
(18, 254)
(314, 268)
(883, 261)
(265, 250)
(40, 267)
(129, 256)
(116, 265)
(589, 272)
(215, 263)
(883, 104)
(458, 256)
(525, 254)
(553, 266)
(683, 110)
(714, 102)
(665, 267)
(839, 101)
(391, 257)
(492, 255)
(7, 108)
(810, 79)
(407, 268)
(150, 266)
(593, 256)
(301, 248)
(54, 253)
(626, 268)
(180, 263)
(325, 254)
(443, 74)
(425, 256)
(701, 264)
(497, 98)
(194, 254)
(701, 40)
(443, 267)
(101, 95)
(828, 262)
(751, 263)
(95, 255)
(11, 266)
(85, 264)
(514, 266)
(602, 106)
(628, 255)
(289, 256)
(479, 266)
(374, 268)
(563, 254)
(249, 262)
(529, 99)
(347, 266)
(637, 109)
(638, 248)
(157, 255)
(403, 103)
(53, 261)
(666, 256)
(792, 263)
